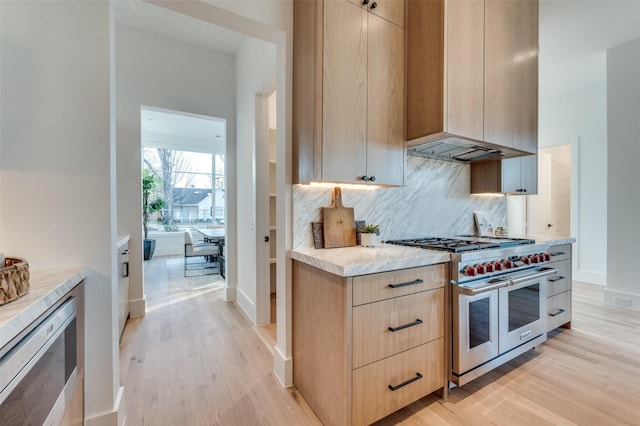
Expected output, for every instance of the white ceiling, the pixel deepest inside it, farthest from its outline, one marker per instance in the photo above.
(574, 37)
(155, 121)
(163, 22)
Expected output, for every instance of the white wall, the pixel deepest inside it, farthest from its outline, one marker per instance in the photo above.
(580, 118)
(255, 65)
(56, 188)
(158, 72)
(623, 203)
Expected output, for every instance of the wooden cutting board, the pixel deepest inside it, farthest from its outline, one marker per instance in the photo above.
(339, 226)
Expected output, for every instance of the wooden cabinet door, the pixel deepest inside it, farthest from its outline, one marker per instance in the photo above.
(385, 92)
(391, 10)
(511, 74)
(465, 68)
(529, 174)
(499, 82)
(526, 76)
(520, 175)
(344, 108)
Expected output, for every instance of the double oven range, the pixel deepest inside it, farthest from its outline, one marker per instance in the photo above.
(498, 295)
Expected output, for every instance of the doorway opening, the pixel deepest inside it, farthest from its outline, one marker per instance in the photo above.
(185, 155)
(549, 212)
(266, 190)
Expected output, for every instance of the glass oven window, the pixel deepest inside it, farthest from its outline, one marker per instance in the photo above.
(524, 306)
(32, 400)
(479, 323)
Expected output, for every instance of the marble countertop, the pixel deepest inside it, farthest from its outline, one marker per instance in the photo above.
(46, 288)
(122, 240)
(358, 260)
(547, 239)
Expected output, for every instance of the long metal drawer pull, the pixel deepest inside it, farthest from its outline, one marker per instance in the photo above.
(556, 312)
(411, 380)
(553, 280)
(418, 281)
(411, 324)
(543, 273)
(557, 253)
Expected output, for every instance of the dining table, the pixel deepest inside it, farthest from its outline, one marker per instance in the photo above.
(212, 234)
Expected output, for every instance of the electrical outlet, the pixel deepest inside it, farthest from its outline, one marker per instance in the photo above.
(622, 301)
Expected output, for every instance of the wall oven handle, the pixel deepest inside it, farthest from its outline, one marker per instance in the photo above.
(492, 285)
(543, 273)
(418, 281)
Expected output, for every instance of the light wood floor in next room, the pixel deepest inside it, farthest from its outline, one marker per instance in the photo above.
(196, 360)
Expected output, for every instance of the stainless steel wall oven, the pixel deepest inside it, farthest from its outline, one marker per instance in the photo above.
(41, 370)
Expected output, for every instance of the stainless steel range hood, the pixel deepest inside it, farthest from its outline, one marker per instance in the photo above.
(448, 147)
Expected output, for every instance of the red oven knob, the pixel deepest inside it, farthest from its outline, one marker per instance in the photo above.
(535, 258)
(489, 267)
(508, 264)
(547, 257)
(526, 260)
(481, 269)
(497, 266)
(469, 270)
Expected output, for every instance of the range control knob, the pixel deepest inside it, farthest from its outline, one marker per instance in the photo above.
(469, 270)
(489, 267)
(535, 258)
(547, 257)
(526, 260)
(508, 264)
(481, 269)
(497, 266)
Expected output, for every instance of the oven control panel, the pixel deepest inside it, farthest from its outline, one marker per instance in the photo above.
(511, 263)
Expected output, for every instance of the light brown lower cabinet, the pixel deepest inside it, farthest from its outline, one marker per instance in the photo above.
(364, 347)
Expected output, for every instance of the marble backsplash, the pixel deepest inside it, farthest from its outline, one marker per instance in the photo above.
(434, 201)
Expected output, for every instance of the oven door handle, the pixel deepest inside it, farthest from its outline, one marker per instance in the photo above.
(491, 285)
(542, 273)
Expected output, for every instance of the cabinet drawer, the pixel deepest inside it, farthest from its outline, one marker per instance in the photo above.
(374, 287)
(560, 252)
(385, 328)
(421, 368)
(561, 281)
(558, 310)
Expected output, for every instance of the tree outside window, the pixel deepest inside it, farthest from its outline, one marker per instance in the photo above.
(193, 185)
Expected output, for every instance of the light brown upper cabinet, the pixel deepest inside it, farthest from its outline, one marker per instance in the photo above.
(472, 72)
(515, 176)
(348, 92)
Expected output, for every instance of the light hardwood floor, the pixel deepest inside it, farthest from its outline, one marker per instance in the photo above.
(196, 360)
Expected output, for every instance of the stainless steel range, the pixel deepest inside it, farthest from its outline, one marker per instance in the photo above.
(498, 299)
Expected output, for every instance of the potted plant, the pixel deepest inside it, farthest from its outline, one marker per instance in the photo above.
(369, 235)
(150, 204)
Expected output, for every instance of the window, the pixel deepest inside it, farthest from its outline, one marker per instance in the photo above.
(192, 186)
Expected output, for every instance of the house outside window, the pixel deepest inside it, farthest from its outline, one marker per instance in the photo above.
(193, 187)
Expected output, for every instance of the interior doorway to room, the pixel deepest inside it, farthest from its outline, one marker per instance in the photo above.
(549, 212)
(266, 166)
(185, 153)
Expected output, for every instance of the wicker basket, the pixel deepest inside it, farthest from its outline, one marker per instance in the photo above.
(14, 279)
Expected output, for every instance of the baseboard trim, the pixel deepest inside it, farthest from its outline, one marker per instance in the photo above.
(230, 294)
(590, 277)
(622, 299)
(138, 307)
(247, 305)
(112, 418)
(282, 368)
